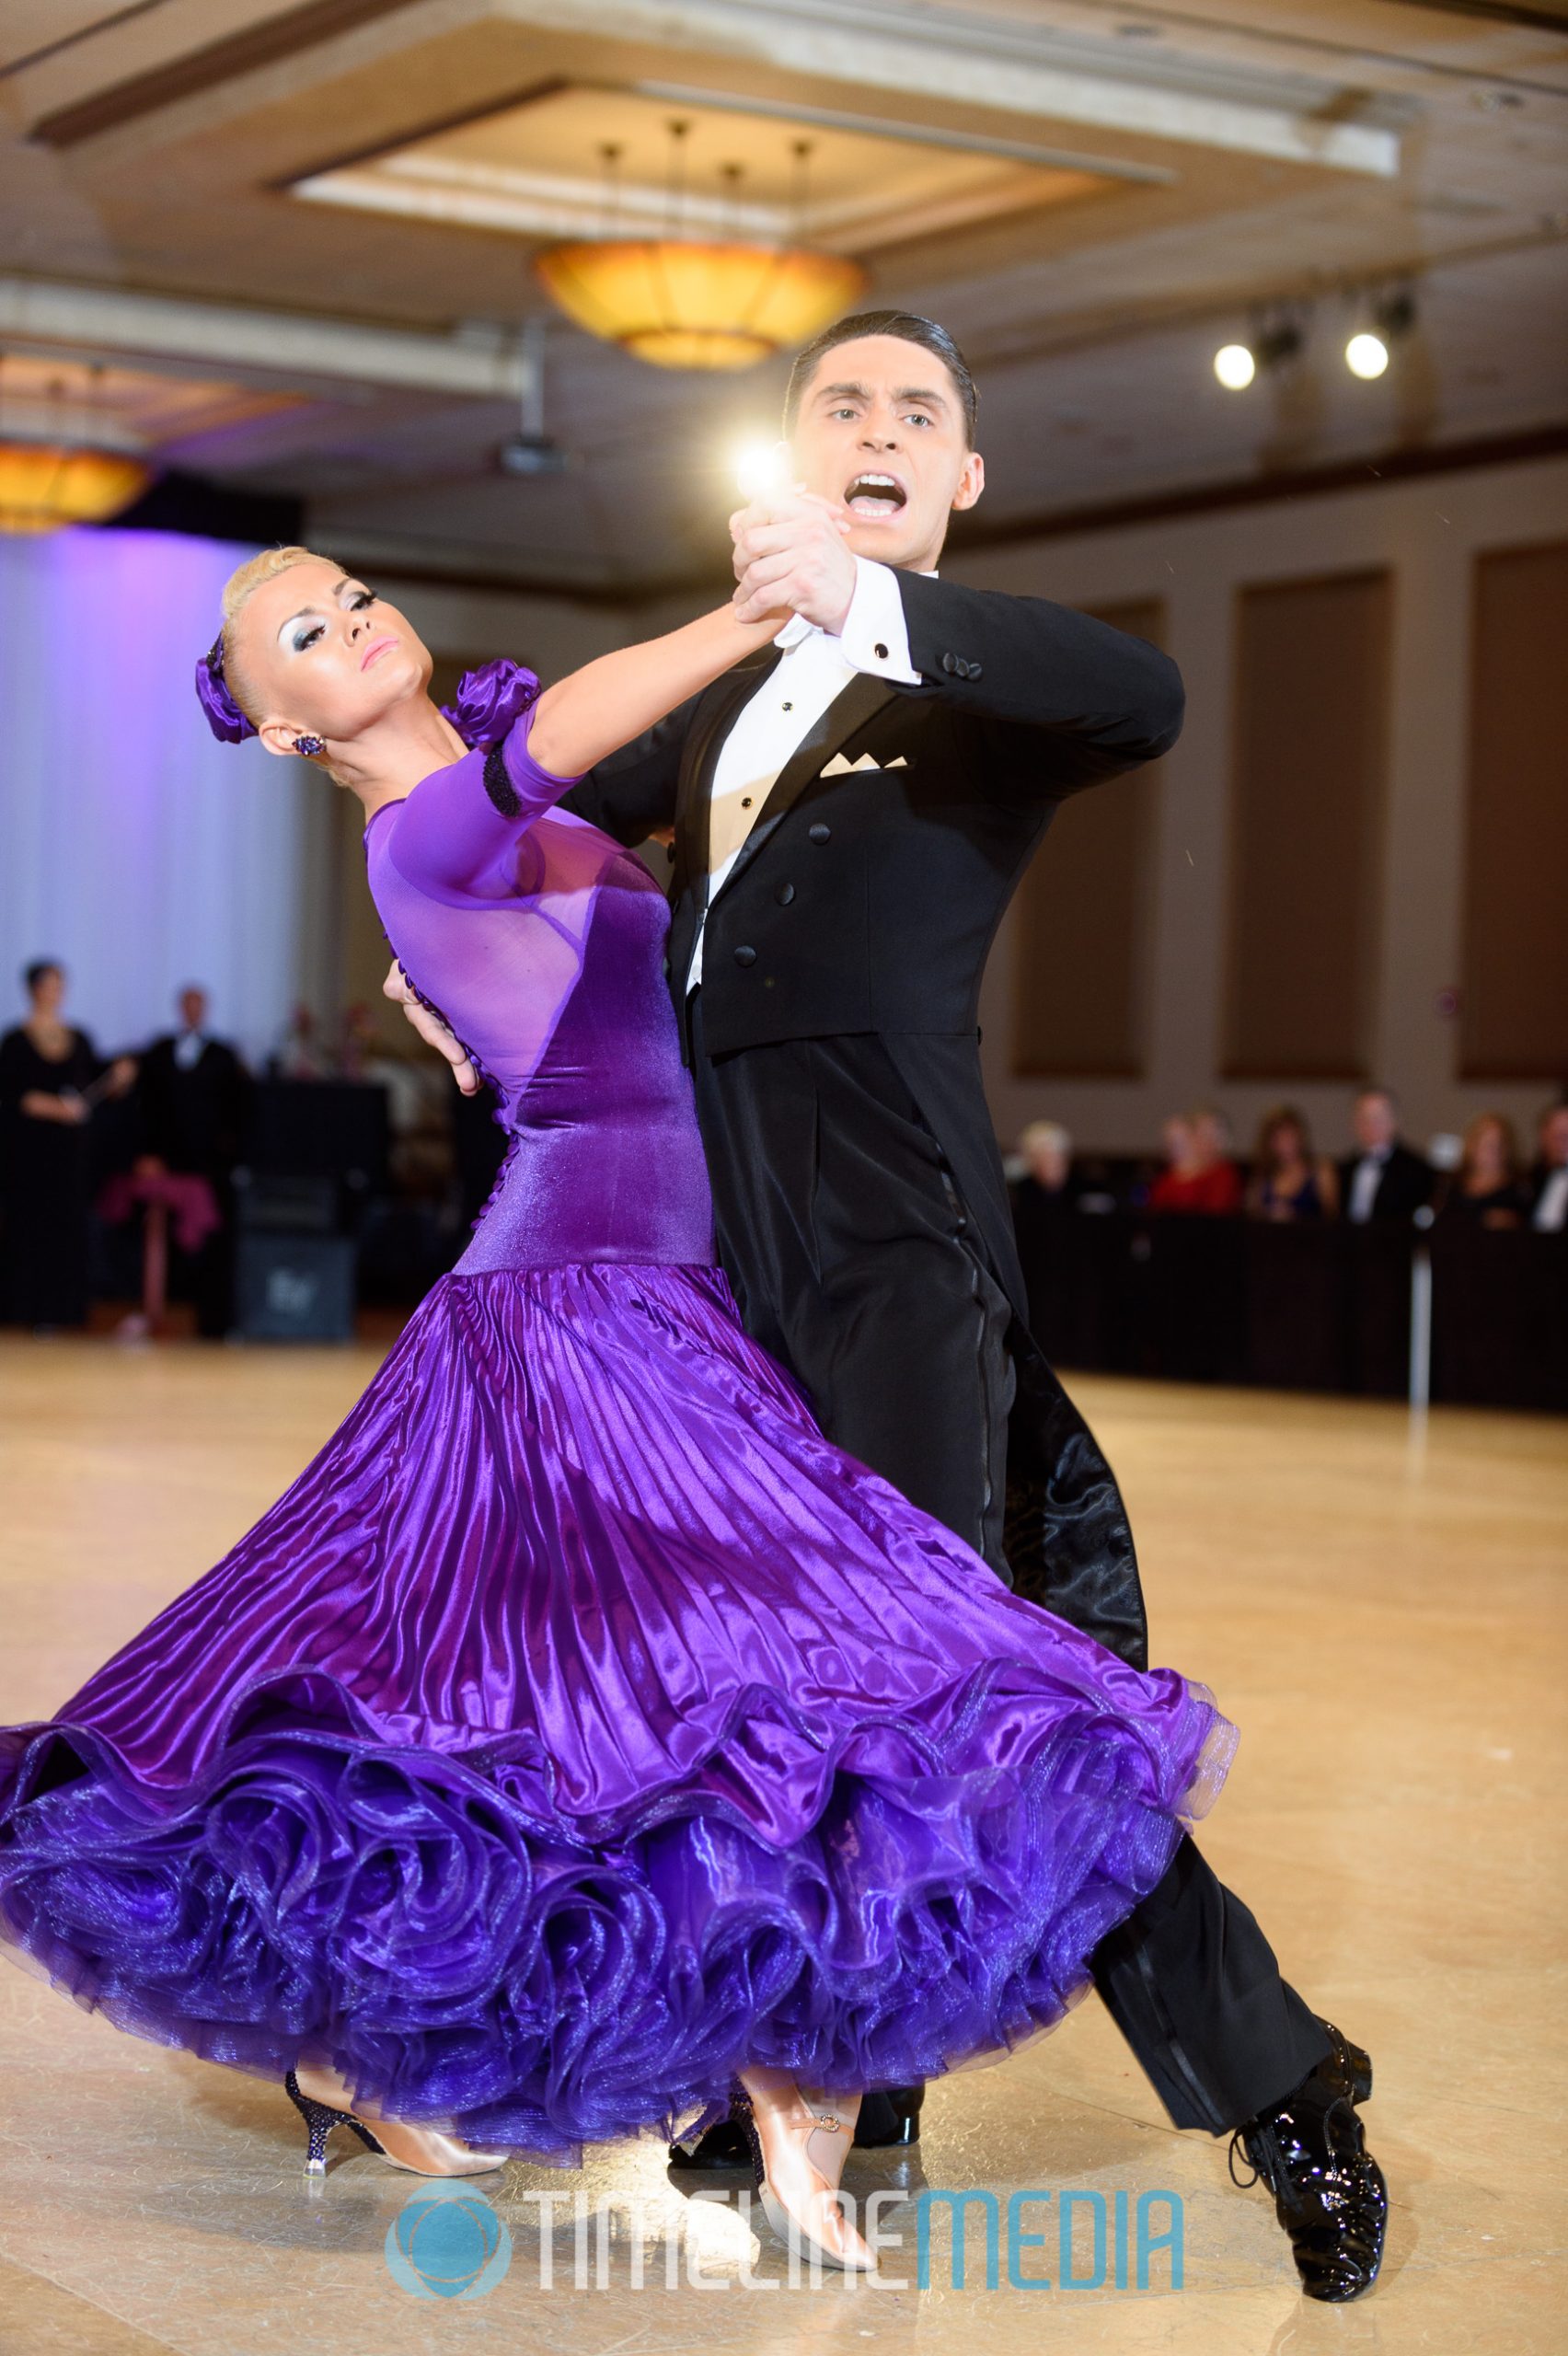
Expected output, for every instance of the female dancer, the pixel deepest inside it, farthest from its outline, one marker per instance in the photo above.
(580, 1733)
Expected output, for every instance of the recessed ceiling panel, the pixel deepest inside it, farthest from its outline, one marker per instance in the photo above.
(575, 161)
(128, 409)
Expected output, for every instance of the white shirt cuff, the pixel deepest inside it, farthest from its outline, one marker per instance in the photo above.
(875, 636)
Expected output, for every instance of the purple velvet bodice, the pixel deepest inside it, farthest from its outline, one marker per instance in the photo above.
(541, 944)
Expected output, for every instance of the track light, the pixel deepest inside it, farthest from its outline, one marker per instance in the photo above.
(1369, 350)
(1235, 364)
(1366, 355)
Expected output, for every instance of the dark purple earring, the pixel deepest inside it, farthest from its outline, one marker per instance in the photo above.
(309, 746)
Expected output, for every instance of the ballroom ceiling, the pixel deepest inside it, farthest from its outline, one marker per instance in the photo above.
(326, 215)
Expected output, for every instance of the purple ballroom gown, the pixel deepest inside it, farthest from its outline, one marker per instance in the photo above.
(580, 1726)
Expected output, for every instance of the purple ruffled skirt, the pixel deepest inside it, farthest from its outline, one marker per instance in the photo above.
(581, 1727)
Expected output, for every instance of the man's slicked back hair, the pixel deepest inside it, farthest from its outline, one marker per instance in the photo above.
(911, 328)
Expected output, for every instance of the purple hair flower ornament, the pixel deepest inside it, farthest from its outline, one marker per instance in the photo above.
(224, 718)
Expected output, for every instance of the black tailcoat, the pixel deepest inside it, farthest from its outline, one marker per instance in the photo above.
(865, 901)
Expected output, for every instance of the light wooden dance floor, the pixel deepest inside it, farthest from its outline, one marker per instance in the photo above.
(1382, 1616)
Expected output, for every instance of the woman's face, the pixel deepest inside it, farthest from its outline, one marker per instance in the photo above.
(1487, 1158)
(49, 992)
(1287, 1142)
(324, 656)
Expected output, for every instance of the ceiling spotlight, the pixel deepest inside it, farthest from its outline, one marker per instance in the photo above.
(1366, 355)
(1370, 349)
(1235, 364)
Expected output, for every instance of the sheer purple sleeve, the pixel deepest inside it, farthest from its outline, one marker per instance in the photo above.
(458, 829)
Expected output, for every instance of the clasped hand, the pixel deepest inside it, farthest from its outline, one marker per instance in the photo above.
(791, 551)
(431, 1029)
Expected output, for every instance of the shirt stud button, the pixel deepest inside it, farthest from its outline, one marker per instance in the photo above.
(880, 653)
(746, 801)
(789, 706)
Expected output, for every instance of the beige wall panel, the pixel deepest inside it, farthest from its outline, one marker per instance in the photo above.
(1309, 774)
(1514, 1020)
(1080, 972)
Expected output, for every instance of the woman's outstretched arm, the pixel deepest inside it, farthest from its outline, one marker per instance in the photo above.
(584, 718)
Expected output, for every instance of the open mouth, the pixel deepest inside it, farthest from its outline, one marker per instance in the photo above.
(377, 647)
(875, 496)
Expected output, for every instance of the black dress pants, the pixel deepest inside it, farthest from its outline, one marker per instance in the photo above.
(845, 1237)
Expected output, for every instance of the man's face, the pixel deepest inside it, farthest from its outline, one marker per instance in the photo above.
(1555, 1139)
(193, 1008)
(1373, 1121)
(880, 429)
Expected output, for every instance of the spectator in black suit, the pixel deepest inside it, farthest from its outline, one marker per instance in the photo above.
(195, 1102)
(1383, 1179)
(1549, 1191)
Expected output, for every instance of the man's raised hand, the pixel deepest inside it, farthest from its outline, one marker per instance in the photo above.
(432, 1029)
(792, 550)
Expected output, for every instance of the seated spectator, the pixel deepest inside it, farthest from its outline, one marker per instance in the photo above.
(1382, 1179)
(1549, 1192)
(1486, 1187)
(1200, 1175)
(1289, 1180)
(196, 1096)
(1046, 1151)
(195, 1093)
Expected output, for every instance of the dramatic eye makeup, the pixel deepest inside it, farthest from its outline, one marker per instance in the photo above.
(305, 629)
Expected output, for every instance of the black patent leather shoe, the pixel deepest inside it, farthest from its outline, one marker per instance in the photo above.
(1347, 2068)
(1330, 2196)
(887, 2120)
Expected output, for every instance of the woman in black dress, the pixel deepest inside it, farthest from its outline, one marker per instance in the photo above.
(1488, 1187)
(46, 1070)
(1290, 1181)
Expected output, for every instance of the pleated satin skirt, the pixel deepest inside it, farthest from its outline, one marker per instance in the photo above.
(581, 1727)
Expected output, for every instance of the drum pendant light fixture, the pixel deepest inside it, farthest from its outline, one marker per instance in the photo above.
(56, 475)
(683, 302)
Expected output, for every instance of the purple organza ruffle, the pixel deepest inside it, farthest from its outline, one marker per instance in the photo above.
(436, 1929)
(580, 1727)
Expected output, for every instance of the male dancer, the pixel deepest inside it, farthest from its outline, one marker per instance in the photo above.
(851, 812)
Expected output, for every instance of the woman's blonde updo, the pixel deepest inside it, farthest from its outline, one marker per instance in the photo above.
(238, 589)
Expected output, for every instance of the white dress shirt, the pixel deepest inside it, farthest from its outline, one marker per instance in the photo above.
(1363, 1184)
(189, 1049)
(1551, 1216)
(813, 669)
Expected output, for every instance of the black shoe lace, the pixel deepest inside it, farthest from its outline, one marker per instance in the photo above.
(1259, 2145)
(1239, 2144)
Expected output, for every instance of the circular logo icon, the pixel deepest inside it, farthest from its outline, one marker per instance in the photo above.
(446, 2242)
